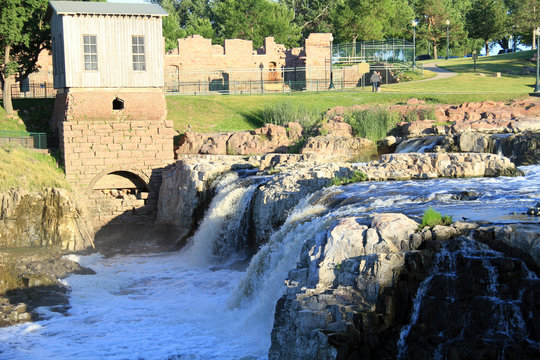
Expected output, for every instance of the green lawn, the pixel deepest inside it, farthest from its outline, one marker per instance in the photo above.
(28, 169)
(32, 115)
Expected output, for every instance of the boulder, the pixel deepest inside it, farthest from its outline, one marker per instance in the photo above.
(346, 147)
(336, 128)
(211, 144)
(268, 139)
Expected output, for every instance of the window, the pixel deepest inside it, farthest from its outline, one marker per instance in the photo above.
(90, 52)
(139, 61)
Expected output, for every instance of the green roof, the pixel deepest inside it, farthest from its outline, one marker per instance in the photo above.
(106, 8)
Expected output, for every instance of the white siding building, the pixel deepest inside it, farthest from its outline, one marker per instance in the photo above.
(106, 45)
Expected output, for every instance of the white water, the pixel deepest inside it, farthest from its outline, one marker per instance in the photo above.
(142, 307)
(161, 306)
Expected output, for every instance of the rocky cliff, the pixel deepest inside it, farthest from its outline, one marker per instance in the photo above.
(51, 218)
(380, 289)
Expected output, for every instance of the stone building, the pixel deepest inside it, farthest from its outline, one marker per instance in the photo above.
(110, 110)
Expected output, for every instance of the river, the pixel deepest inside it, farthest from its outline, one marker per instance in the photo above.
(175, 306)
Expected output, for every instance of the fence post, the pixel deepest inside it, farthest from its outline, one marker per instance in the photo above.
(45, 87)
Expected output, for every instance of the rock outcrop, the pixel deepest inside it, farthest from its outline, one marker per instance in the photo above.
(268, 139)
(51, 218)
(347, 148)
(186, 187)
(521, 148)
(373, 290)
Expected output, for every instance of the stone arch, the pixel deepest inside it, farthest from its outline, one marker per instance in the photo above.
(119, 178)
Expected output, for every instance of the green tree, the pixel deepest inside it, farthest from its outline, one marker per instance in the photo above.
(24, 33)
(171, 25)
(311, 15)
(371, 20)
(254, 20)
(487, 20)
(525, 17)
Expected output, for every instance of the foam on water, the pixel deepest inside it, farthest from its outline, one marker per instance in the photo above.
(143, 307)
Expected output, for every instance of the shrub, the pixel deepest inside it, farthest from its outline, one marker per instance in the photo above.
(373, 123)
(281, 113)
(432, 217)
(356, 176)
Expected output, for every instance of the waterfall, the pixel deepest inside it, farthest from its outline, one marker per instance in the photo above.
(418, 145)
(503, 323)
(222, 235)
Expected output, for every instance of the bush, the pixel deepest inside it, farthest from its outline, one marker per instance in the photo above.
(373, 124)
(432, 217)
(356, 176)
(281, 113)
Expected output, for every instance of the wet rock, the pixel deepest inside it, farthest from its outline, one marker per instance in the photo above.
(535, 210)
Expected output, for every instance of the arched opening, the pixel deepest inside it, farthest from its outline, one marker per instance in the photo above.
(273, 74)
(122, 184)
(118, 104)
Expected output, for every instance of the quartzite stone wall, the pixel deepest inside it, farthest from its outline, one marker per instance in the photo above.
(96, 140)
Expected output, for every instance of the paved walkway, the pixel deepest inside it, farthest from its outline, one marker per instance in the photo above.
(441, 73)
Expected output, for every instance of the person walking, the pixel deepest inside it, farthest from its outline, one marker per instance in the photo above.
(375, 80)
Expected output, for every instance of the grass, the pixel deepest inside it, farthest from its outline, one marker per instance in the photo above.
(432, 218)
(372, 123)
(222, 113)
(512, 63)
(28, 169)
(32, 115)
(356, 176)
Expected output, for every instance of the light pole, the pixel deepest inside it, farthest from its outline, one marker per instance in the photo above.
(414, 23)
(537, 86)
(447, 38)
(331, 86)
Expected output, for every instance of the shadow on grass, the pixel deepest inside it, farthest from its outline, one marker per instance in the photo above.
(35, 113)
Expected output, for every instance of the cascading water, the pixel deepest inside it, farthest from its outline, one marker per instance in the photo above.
(470, 272)
(222, 235)
(418, 145)
(161, 306)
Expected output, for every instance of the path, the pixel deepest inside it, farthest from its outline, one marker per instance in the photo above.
(441, 73)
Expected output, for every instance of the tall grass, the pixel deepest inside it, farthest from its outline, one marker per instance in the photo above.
(28, 169)
(280, 113)
(432, 217)
(373, 123)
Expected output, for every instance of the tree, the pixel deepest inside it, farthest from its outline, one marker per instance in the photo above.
(432, 22)
(24, 33)
(254, 20)
(371, 20)
(525, 17)
(487, 20)
(171, 25)
(311, 15)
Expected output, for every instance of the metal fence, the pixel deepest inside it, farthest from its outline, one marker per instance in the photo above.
(388, 51)
(31, 140)
(284, 80)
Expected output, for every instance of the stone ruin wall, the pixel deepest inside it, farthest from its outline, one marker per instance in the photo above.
(202, 64)
(97, 142)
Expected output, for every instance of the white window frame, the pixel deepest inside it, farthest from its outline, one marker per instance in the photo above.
(90, 53)
(138, 53)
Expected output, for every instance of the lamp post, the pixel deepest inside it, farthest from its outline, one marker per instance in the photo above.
(537, 86)
(447, 38)
(331, 86)
(414, 23)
